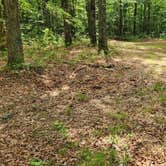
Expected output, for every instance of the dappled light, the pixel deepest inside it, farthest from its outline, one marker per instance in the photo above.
(82, 83)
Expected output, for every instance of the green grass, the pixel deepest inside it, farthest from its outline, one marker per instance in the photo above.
(83, 97)
(60, 128)
(7, 117)
(39, 162)
(163, 99)
(159, 87)
(99, 158)
(147, 110)
(104, 157)
(154, 45)
(69, 110)
(120, 116)
(161, 121)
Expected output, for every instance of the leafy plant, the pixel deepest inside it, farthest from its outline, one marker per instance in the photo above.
(60, 128)
(82, 97)
(163, 98)
(36, 162)
(159, 87)
(107, 157)
(120, 116)
(69, 110)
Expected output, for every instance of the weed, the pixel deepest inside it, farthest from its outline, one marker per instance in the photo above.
(126, 159)
(120, 116)
(63, 151)
(60, 128)
(39, 162)
(36, 162)
(163, 144)
(7, 117)
(163, 99)
(34, 107)
(159, 87)
(83, 97)
(161, 121)
(69, 110)
(148, 110)
(107, 157)
(119, 129)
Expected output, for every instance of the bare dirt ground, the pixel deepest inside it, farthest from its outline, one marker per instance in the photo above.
(63, 113)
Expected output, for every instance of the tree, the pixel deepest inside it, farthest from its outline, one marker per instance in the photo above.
(145, 17)
(14, 41)
(149, 17)
(102, 43)
(66, 5)
(135, 18)
(120, 18)
(91, 13)
(2, 29)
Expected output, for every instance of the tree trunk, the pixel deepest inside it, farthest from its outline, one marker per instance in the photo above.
(2, 29)
(73, 14)
(149, 18)
(66, 5)
(91, 12)
(120, 18)
(102, 45)
(14, 41)
(135, 19)
(141, 19)
(145, 18)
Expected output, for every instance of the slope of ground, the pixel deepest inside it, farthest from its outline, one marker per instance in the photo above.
(82, 113)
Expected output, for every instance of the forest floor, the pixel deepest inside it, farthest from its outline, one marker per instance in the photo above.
(76, 111)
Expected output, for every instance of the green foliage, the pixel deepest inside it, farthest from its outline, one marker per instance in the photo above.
(161, 121)
(39, 162)
(83, 97)
(159, 87)
(163, 99)
(36, 162)
(60, 128)
(99, 158)
(69, 110)
(120, 116)
(7, 117)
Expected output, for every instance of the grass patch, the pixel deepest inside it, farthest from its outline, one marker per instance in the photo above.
(39, 162)
(120, 116)
(163, 99)
(67, 147)
(99, 158)
(60, 128)
(69, 110)
(7, 117)
(148, 110)
(105, 157)
(159, 87)
(83, 97)
(161, 121)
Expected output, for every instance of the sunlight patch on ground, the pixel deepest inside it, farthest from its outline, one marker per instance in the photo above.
(151, 53)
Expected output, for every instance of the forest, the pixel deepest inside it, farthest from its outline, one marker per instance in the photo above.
(82, 82)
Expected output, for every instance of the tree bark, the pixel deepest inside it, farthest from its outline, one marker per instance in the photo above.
(149, 18)
(135, 19)
(14, 41)
(2, 29)
(66, 5)
(91, 13)
(120, 18)
(145, 18)
(102, 44)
